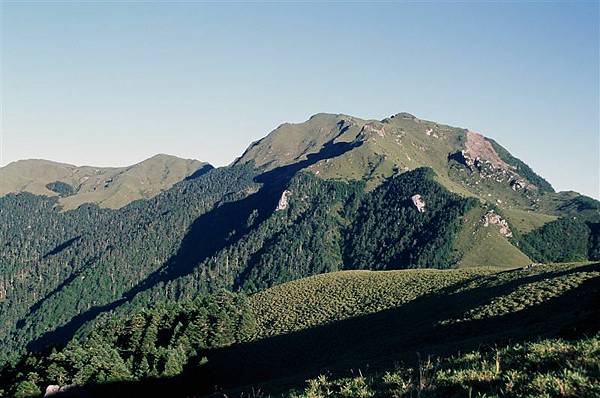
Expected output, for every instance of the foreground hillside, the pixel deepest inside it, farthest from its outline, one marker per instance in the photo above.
(548, 368)
(338, 324)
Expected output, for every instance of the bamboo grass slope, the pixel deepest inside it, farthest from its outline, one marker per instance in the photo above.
(548, 368)
(110, 187)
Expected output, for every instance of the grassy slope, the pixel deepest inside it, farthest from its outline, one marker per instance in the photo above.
(548, 368)
(325, 298)
(110, 187)
(525, 220)
(386, 325)
(485, 246)
(330, 324)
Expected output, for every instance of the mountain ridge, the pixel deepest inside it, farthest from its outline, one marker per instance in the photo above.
(110, 187)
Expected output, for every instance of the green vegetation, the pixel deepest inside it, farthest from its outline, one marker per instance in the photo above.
(477, 245)
(527, 220)
(389, 231)
(326, 298)
(548, 368)
(111, 187)
(85, 261)
(522, 168)
(482, 308)
(369, 320)
(527, 295)
(132, 297)
(151, 343)
(566, 239)
(61, 188)
(223, 233)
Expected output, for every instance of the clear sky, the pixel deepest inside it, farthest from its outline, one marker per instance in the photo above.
(111, 84)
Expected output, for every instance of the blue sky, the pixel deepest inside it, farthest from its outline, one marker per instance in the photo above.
(112, 84)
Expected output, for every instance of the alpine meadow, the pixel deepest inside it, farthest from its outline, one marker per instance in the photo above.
(335, 257)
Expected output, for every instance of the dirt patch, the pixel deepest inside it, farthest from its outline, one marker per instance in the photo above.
(477, 147)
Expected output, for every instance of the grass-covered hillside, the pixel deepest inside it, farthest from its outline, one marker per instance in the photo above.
(546, 368)
(367, 333)
(110, 187)
(455, 311)
(326, 298)
(464, 162)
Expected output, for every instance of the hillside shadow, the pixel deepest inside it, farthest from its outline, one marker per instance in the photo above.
(399, 333)
(61, 247)
(38, 304)
(200, 172)
(377, 341)
(208, 234)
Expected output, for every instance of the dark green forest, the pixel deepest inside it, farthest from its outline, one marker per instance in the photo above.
(83, 261)
(566, 239)
(386, 230)
(158, 341)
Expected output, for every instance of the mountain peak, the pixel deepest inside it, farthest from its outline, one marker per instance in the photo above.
(403, 115)
(465, 161)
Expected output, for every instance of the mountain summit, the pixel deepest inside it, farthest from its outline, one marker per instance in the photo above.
(464, 161)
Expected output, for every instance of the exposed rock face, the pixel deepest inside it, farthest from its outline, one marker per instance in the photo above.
(478, 148)
(480, 156)
(517, 184)
(283, 200)
(491, 218)
(71, 391)
(373, 128)
(418, 202)
(51, 390)
(431, 133)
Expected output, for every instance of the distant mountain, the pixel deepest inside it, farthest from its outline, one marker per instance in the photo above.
(110, 187)
(333, 193)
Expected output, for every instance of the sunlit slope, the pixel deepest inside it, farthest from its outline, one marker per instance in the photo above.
(335, 296)
(338, 146)
(341, 295)
(482, 245)
(110, 187)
